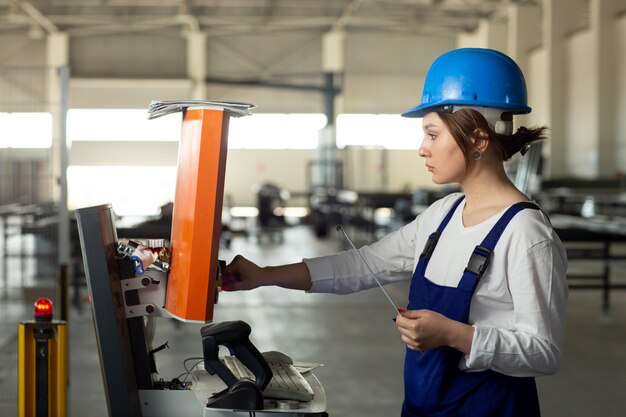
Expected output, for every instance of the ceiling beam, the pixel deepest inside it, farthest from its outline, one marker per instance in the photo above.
(35, 15)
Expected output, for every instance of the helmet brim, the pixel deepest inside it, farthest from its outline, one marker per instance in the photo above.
(422, 109)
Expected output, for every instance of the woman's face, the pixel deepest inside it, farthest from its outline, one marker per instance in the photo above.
(444, 158)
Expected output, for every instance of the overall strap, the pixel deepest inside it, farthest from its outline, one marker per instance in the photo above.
(429, 247)
(479, 261)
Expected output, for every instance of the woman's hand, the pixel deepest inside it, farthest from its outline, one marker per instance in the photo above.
(241, 274)
(423, 330)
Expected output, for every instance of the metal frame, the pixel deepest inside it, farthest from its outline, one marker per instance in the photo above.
(98, 240)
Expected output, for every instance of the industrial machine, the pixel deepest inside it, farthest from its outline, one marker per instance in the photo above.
(129, 281)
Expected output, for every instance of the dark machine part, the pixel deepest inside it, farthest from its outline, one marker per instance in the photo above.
(42, 335)
(270, 197)
(220, 265)
(136, 331)
(241, 394)
(152, 363)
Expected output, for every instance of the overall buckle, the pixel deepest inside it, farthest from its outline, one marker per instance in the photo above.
(479, 261)
(429, 247)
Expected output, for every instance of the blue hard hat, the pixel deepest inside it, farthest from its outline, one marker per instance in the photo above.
(473, 77)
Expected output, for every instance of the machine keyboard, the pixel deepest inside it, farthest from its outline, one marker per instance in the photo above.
(286, 383)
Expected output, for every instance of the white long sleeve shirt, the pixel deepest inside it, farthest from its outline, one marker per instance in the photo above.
(518, 308)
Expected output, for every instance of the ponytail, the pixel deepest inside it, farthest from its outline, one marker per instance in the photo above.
(520, 141)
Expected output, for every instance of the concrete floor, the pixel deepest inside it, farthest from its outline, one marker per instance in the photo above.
(353, 336)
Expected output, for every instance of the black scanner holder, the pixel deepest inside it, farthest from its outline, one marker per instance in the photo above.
(241, 394)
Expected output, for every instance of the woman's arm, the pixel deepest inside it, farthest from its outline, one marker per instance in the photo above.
(391, 259)
(242, 274)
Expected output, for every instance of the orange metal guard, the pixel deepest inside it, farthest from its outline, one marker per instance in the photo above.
(197, 216)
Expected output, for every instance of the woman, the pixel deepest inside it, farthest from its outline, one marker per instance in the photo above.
(487, 299)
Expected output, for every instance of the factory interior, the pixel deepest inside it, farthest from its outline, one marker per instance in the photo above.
(315, 141)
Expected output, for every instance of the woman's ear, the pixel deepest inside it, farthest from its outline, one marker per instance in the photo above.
(480, 138)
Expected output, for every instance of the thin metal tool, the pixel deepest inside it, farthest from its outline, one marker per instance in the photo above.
(395, 309)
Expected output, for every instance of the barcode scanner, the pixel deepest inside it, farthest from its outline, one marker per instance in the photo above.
(240, 394)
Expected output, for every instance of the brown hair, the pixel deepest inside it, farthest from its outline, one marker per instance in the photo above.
(463, 123)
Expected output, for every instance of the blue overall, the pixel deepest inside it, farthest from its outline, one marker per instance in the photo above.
(434, 384)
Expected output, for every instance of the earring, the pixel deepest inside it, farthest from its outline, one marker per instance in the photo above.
(477, 154)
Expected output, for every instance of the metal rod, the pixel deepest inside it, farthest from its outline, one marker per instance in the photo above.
(395, 309)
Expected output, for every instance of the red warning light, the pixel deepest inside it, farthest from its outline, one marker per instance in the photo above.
(43, 310)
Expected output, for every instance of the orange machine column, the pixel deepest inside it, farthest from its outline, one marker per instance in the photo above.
(197, 216)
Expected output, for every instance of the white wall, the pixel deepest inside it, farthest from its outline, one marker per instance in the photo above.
(407, 171)
(489, 34)
(581, 141)
(247, 169)
(368, 169)
(536, 79)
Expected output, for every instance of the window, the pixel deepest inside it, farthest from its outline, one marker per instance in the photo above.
(132, 190)
(259, 131)
(25, 130)
(389, 131)
(276, 131)
(120, 125)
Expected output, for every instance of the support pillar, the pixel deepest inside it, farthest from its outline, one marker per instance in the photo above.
(603, 102)
(489, 34)
(332, 64)
(58, 89)
(555, 30)
(57, 60)
(57, 56)
(523, 33)
(197, 63)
